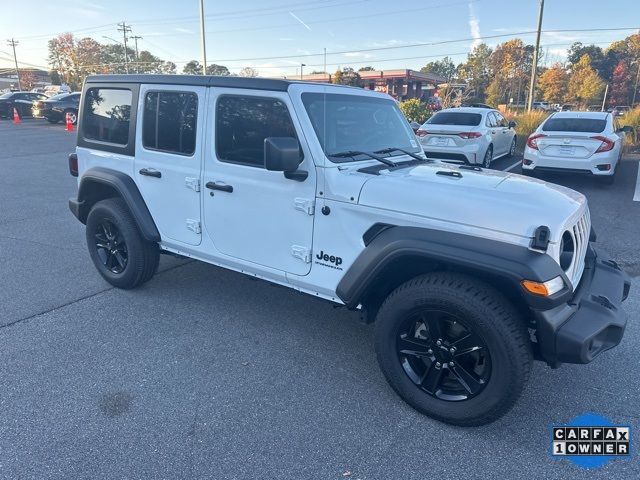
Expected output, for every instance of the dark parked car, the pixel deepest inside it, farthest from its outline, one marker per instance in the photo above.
(21, 101)
(55, 109)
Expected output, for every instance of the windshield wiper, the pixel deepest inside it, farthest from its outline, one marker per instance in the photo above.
(352, 153)
(395, 149)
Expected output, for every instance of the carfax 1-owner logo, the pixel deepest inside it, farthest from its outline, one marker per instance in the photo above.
(590, 441)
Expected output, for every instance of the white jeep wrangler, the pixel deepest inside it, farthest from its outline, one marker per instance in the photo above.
(468, 274)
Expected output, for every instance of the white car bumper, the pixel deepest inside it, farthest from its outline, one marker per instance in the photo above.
(601, 164)
(470, 154)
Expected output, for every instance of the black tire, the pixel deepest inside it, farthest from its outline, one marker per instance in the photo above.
(135, 260)
(481, 310)
(512, 148)
(73, 113)
(488, 157)
(53, 120)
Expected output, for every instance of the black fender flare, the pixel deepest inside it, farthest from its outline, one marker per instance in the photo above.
(513, 263)
(89, 193)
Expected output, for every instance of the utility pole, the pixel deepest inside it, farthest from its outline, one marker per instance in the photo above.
(534, 68)
(202, 39)
(13, 44)
(604, 100)
(135, 39)
(635, 88)
(124, 28)
(301, 66)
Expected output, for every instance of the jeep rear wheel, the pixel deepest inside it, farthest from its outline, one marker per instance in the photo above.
(118, 251)
(453, 348)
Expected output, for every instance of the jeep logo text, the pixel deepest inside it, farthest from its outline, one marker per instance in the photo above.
(337, 261)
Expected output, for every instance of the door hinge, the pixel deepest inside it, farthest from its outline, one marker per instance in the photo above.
(305, 205)
(194, 225)
(303, 253)
(193, 183)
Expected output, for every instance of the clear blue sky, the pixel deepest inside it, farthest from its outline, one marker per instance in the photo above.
(238, 32)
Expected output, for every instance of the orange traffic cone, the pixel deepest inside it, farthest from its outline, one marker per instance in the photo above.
(69, 127)
(16, 116)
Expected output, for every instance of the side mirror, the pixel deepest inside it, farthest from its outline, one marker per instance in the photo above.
(512, 124)
(626, 129)
(281, 154)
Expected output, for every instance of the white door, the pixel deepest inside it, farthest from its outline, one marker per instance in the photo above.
(503, 136)
(250, 213)
(169, 158)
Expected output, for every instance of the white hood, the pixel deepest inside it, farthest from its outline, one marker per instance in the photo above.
(489, 199)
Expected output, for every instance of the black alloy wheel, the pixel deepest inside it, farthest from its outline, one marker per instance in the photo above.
(111, 247)
(442, 356)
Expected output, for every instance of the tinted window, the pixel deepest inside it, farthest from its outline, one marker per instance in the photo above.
(106, 115)
(242, 124)
(455, 118)
(586, 125)
(169, 122)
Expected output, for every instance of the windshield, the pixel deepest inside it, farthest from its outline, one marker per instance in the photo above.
(455, 118)
(6, 95)
(58, 96)
(357, 123)
(583, 125)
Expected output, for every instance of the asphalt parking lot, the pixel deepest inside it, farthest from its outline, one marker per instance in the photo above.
(206, 373)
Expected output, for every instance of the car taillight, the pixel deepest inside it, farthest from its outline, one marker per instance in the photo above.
(421, 133)
(73, 164)
(532, 141)
(468, 135)
(606, 144)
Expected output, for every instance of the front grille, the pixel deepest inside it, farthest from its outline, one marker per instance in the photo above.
(580, 232)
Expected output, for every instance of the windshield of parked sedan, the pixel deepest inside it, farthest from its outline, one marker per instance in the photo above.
(582, 125)
(357, 123)
(455, 118)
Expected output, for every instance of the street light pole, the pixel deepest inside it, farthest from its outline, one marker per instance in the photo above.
(202, 39)
(13, 44)
(301, 66)
(534, 68)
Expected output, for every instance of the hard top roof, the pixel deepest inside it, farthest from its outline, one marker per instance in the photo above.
(197, 80)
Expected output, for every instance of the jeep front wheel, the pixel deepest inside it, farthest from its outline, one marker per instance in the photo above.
(453, 348)
(117, 249)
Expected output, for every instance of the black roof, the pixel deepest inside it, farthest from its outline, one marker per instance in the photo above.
(196, 80)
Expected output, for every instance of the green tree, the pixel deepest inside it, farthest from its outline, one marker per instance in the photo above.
(347, 76)
(443, 67)
(415, 110)
(510, 68)
(192, 67)
(585, 85)
(553, 83)
(368, 68)
(248, 72)
(219, 70)
(476, 71)
(494, 92)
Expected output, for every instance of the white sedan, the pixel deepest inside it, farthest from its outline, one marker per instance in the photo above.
(576, 142)
(470, 135)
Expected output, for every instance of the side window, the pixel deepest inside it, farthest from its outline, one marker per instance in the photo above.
(169, 122)
(491, 120)
(500, 120)
(242, 124)
(107, 113)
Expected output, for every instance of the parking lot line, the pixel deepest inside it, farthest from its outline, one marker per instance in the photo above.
(513, 166)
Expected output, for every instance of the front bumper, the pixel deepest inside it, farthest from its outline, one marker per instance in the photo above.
(592, 321)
